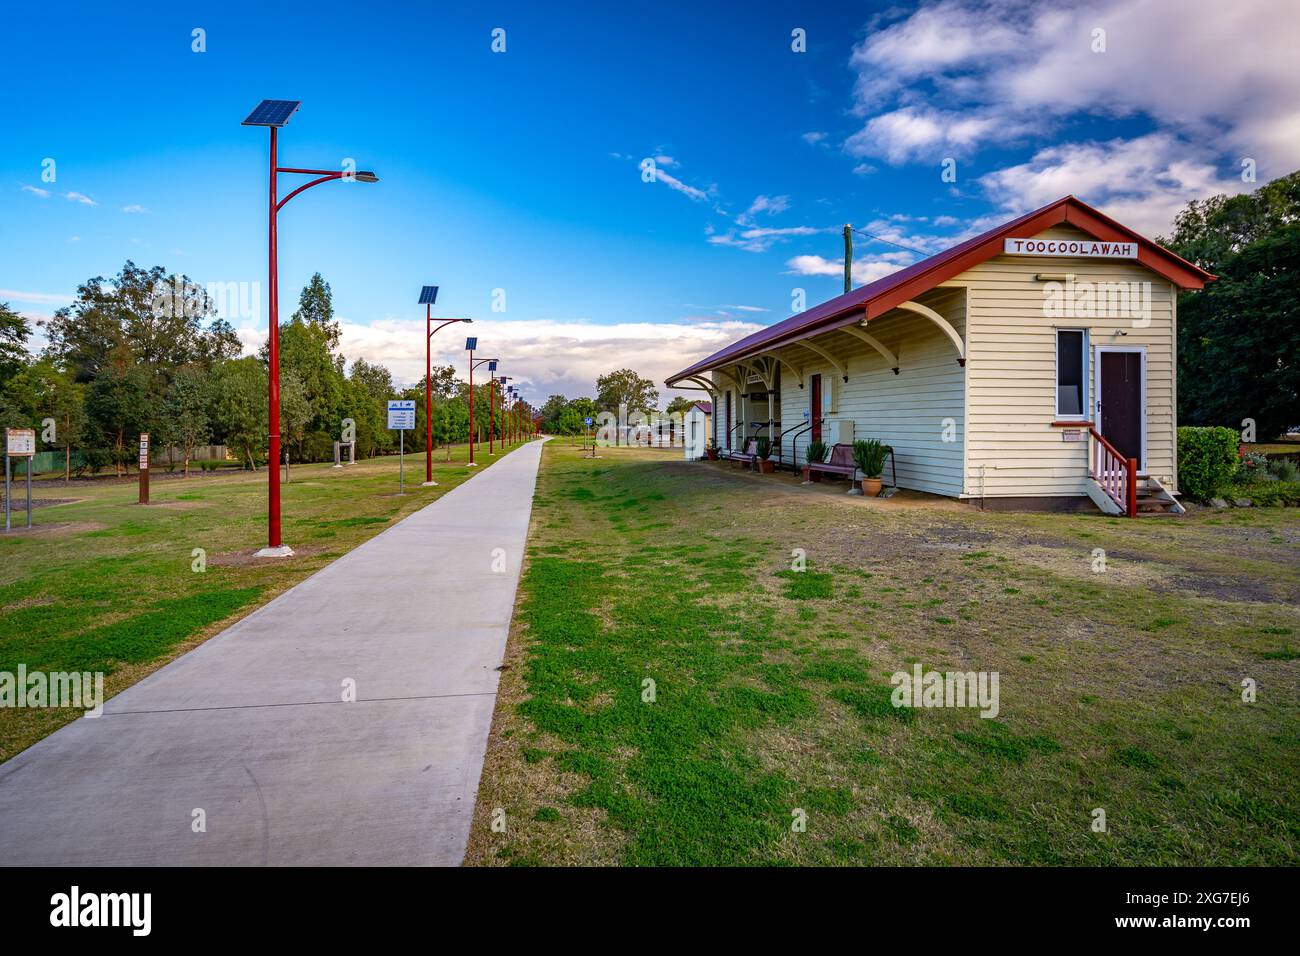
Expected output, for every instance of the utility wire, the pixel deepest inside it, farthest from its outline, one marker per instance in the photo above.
(889, 242)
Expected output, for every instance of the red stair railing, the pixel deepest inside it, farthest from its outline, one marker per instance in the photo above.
(1116, 474)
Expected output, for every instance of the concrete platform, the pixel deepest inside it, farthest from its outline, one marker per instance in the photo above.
(252, 729)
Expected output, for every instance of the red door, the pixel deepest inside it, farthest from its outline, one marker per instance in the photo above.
(1121, 402)
(815, 412)
(728, 439)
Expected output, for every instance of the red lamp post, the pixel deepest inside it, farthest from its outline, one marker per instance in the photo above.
(428, 296)
(275, 114)
(470, 345)
(505, 409)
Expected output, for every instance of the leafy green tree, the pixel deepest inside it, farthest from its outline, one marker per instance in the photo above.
(316, 307)
(184, 421)
(14, 332)
(121, 403)
(239, 408)
(1238, 338)
(625, 387)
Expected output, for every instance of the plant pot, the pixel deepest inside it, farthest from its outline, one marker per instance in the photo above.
(712, 454)
(766, 466)
(810, 475)
(871, 487)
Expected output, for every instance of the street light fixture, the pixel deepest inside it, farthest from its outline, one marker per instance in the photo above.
(428, 296)
(470, 345)
(274, 114)
(505, 409)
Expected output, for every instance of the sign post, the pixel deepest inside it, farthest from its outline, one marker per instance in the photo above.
(401, 416)
(19, 443)
(144, 468)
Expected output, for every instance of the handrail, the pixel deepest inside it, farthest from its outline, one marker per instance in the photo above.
(1115, 474)
(794, 443)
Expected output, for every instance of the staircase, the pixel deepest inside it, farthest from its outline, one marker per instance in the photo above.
(1154, 499)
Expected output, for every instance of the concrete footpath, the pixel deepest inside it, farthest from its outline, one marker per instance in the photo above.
(250, 733)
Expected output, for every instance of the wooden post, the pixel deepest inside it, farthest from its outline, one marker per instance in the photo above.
(144, 468)
(1132, 493)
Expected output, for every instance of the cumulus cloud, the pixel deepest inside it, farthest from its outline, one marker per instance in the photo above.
(1212, 84)
(544, 356)
(866, 269)
(1142, 182)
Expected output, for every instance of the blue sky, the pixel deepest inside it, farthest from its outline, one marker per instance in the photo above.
(520, 170)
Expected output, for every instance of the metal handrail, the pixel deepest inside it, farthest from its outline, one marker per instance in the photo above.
(794, 446)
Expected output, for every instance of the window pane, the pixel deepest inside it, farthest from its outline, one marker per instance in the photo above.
(1069, 373)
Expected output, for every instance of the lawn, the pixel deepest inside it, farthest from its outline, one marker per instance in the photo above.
(104, 584)
(675, 693)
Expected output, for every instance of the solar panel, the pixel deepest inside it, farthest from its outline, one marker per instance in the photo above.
(429, 295)
(492, 366)
(471, 344)
(272, 113)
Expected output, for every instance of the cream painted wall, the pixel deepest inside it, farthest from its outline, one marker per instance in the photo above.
(1012, 447)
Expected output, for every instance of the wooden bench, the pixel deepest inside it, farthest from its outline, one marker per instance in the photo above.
(749, 455)
(840, 462)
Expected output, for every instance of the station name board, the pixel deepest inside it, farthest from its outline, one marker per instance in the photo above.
(1084, 248)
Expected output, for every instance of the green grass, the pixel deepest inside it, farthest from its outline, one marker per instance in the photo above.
(105, 584)
(771, 687)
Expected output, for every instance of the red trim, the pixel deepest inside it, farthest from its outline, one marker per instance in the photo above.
(873, 300)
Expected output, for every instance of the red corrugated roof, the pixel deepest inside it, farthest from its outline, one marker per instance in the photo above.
(876, 298)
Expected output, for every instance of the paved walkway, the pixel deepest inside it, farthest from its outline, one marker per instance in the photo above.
(250, 727)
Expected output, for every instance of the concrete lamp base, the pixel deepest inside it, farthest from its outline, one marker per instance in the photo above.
(284, 551)
(471, 464)
(428, 484)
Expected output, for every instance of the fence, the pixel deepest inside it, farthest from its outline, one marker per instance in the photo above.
(47, 462)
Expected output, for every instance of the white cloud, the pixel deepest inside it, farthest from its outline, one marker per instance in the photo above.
(864, 270)
(1141, 182)
(760, 239)
(1212, 82)
(81, 198)
(544, 356)
(672, 182)
(37, 191)
(42, 298)
(813, 138)
(133, 208)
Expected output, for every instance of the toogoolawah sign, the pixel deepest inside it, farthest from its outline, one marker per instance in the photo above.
(1085, 248)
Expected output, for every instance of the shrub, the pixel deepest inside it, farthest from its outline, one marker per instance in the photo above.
(817, 450)
(1268, 494)
(869, 455)
(1207, 460)
(1283, 469)
(764, 447)
(1252, 466)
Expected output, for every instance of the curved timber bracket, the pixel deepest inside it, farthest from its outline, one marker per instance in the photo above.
(890, 358)
(944, 326)
(839, 366)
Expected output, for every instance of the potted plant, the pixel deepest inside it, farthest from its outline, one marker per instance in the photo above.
(711, 450)
(869, 455)
(816, 452)
(764, 451)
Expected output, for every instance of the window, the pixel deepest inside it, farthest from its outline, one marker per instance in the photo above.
(1071, 373)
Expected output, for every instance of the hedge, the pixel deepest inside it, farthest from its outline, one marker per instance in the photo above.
(1207, 460)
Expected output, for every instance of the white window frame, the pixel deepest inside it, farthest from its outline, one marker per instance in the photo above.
(1084, 379)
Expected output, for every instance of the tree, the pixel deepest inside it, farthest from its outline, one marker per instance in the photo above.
(1238, 339)
(316, 307)
(184, 419)
(625, 388)
(239, 409)
(121, 402)
(14, 330)
(295, 411)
